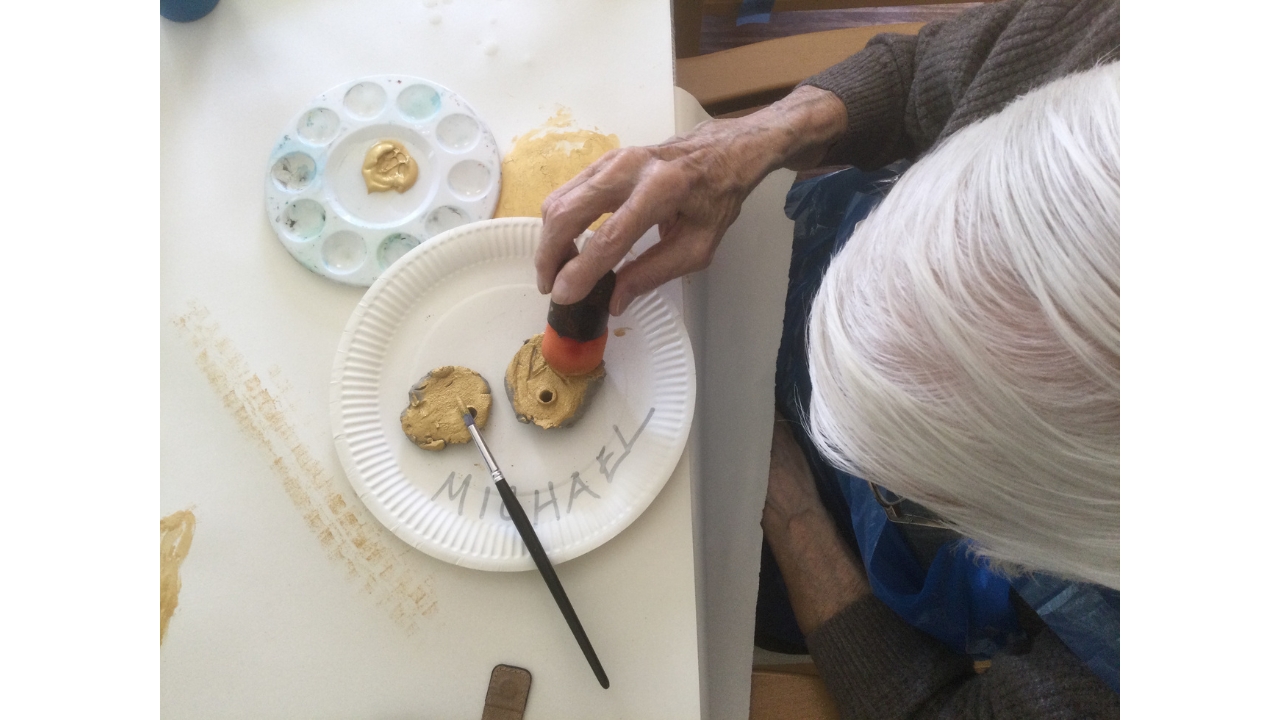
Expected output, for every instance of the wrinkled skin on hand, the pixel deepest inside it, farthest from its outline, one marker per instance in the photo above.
(691, 187)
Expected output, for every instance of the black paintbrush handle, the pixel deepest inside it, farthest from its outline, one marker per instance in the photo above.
(531, 541)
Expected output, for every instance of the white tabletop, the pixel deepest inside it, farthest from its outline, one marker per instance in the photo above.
(295, 602)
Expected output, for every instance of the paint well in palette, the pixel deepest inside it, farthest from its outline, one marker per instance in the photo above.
(394, 246)
(303, 218)
(469, 179)
(293, 172)
(418, 102)
(318, 126)
(458, 133)
(446, 218)
(343, 252)
(365, 100)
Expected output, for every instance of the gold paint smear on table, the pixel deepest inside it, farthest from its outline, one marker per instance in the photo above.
(351, 536)
(545, 158)
(175, 542)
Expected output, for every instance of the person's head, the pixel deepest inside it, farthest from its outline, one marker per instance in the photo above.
(964, 346)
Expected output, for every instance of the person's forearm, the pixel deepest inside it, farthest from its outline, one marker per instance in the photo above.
(803, 126)
(818, 569)
(794, 132)
(820, 572)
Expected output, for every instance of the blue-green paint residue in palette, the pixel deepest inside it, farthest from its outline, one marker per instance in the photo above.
(295, 164)
(318, 126)
(293, 172)
(394, 247)
(303, 218)
(418, 102)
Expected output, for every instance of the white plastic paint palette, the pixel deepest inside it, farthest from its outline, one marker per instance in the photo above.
(317, 200)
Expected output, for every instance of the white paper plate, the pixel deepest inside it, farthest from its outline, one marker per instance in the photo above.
(316, 197)
(467, 297)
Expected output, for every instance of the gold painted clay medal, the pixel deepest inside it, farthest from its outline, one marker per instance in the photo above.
(433, 418)
(544, 397)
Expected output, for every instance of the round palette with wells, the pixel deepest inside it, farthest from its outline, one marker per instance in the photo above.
(373, 167)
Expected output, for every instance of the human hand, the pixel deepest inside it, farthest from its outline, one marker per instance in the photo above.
(691, 187)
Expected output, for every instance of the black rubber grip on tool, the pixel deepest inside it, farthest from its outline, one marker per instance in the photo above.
(588, 318)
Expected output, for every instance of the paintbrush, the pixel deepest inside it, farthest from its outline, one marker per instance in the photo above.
(531, 541)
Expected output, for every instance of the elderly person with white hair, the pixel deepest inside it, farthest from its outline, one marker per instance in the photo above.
(962, 351)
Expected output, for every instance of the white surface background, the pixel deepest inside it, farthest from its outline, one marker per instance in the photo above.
(269, 625)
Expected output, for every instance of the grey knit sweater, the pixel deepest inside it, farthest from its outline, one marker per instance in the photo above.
(903, 94)
(877, 666)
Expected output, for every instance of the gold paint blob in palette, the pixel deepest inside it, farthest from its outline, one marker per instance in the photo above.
(370, 169)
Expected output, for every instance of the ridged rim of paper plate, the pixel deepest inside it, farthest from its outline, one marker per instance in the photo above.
(372, 467)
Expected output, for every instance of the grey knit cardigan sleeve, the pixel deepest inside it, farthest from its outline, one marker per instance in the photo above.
(879, 667)
(903, 93)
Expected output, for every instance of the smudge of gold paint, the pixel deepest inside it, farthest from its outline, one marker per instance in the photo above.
(620, 332)
(351, 537)
(545, 158)
(175, 542)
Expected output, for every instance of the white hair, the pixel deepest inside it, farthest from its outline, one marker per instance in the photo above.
(964, 345)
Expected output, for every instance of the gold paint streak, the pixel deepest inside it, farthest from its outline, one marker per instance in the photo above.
(389, 166)
(542, 396)
(175, 542)
(343, 527)
(545, 158)
(620, 332)
(432, 419)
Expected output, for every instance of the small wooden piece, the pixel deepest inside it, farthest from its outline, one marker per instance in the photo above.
(790, 692)
(508, 693)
